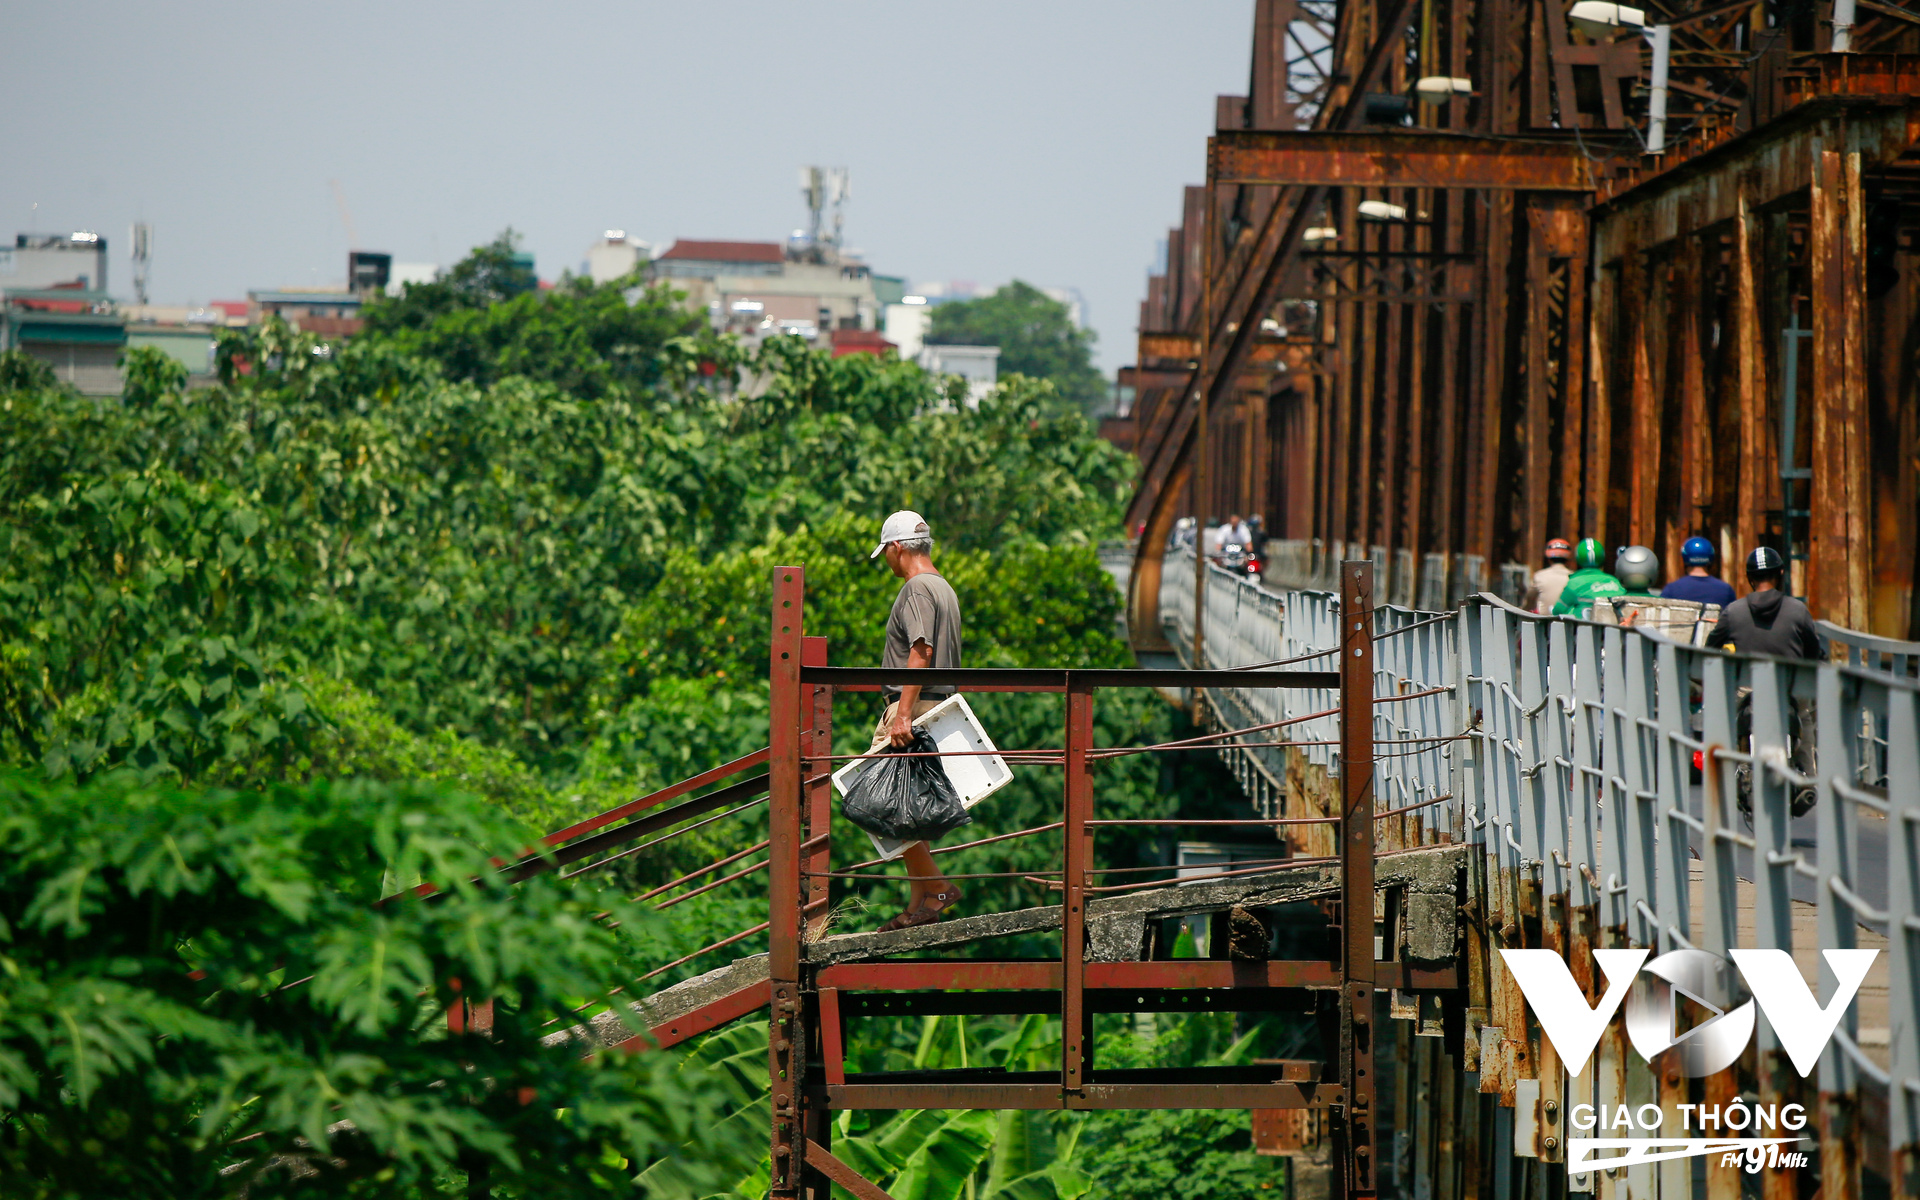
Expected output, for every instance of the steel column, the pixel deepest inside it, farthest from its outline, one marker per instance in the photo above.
(1076, 1050)
(789, 737)
(1358, 1153)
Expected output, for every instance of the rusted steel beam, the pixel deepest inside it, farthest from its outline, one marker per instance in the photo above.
(789, 733)
(1841, 535)
(1773, 161)
(1359, 1156)
(1123, 976)
(1203, 1095)
(883, 1097)
(1168, 343)
(705, 1019)
(1011, 679)
(1251, 278)
(894, 1096)
(821, 1160)
(587, 847)
(819, 848)
(1381, 159)
(670, 792)
(1076, 1047)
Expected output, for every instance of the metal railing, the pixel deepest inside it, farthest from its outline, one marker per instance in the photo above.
(1599, 767)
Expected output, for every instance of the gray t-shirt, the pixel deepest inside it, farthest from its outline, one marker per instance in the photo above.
(926, 610)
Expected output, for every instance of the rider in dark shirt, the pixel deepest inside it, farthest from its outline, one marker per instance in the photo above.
(1767, 620)
(1699, 583)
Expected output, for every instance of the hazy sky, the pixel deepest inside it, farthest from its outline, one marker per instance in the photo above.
(1045, 139)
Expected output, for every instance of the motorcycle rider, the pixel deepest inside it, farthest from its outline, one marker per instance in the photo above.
(1588, 583)
(1699, 584)
(1636, 567)
(1543, 590)
(1236, 532)
(1766, 620)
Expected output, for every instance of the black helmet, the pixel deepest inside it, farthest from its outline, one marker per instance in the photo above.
(1765, 560)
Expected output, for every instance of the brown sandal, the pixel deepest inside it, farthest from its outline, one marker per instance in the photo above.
(910, 919)
(926, 915)
(942, 901)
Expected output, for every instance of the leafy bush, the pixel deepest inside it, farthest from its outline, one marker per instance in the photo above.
(200, 996)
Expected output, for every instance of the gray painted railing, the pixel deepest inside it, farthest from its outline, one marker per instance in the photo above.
(1566, 750)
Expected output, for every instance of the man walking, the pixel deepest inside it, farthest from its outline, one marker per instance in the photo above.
(923, 630)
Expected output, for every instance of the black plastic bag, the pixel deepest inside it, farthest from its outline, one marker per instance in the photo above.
(908, 799)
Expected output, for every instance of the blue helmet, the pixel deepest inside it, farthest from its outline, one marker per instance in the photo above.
(1697, 552)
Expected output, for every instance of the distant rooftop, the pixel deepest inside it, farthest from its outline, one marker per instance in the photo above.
(755, 252)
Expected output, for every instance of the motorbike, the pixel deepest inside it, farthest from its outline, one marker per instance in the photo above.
(1241, 559)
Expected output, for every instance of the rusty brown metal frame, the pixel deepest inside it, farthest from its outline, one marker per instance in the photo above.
(810, 1005)
(1394, 159)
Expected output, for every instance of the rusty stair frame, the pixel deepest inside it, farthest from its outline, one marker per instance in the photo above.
(806, 1000)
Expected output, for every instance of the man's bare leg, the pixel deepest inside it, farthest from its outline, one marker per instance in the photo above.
(925, 881)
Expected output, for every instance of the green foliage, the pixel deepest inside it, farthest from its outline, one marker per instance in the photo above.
(150, 374)
(22, 372)
(1036, 336)
(491, 274)
(586, 340)
(198, 981)
(1022, 605)
(1194, 1154)
(518, 542)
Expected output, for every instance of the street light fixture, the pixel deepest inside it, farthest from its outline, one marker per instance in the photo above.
(1600, 20)
(1438, 89)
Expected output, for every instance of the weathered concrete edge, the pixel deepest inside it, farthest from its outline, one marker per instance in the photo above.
(1427, 873)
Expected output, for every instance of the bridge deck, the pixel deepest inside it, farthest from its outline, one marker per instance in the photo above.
(1117, 938)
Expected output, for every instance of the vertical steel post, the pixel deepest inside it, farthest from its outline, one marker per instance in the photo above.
(818, 705)
(1075, 1053)
(1202, 468)
(1903, 948)
(1358, 1156)
(787, 738)
(816, 1043)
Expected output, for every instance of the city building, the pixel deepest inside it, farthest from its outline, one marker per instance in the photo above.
(978, 365)
(861, 341)
(72, 329)
(184, 333)
(404, 273)
(906, 324)
(368, 272)
(55, 260)
(615, 256)
(322, 313)
(764, 287)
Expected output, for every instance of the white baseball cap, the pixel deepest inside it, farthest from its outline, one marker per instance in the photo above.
(903, 526)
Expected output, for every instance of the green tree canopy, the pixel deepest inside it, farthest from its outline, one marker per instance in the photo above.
(1036, 336)
(489, 275)
(201, 997)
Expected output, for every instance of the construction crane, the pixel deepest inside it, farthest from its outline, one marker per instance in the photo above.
(346, 214)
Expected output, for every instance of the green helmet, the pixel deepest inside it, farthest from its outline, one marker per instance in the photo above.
(1589, 553)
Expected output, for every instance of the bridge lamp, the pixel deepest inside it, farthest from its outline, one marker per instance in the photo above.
(1438, 89)
(1381, 211)
(1601, 19)
(1319, 234)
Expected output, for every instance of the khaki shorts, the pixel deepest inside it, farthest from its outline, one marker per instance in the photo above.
(880, 739)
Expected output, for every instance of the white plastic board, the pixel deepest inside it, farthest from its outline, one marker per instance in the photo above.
(953, 727)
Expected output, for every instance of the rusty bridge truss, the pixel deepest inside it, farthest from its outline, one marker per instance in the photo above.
(1436, 334)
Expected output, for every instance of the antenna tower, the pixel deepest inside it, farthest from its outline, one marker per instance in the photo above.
(142, 254)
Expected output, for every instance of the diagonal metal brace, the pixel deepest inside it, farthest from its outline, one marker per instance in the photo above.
(820, 1160)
